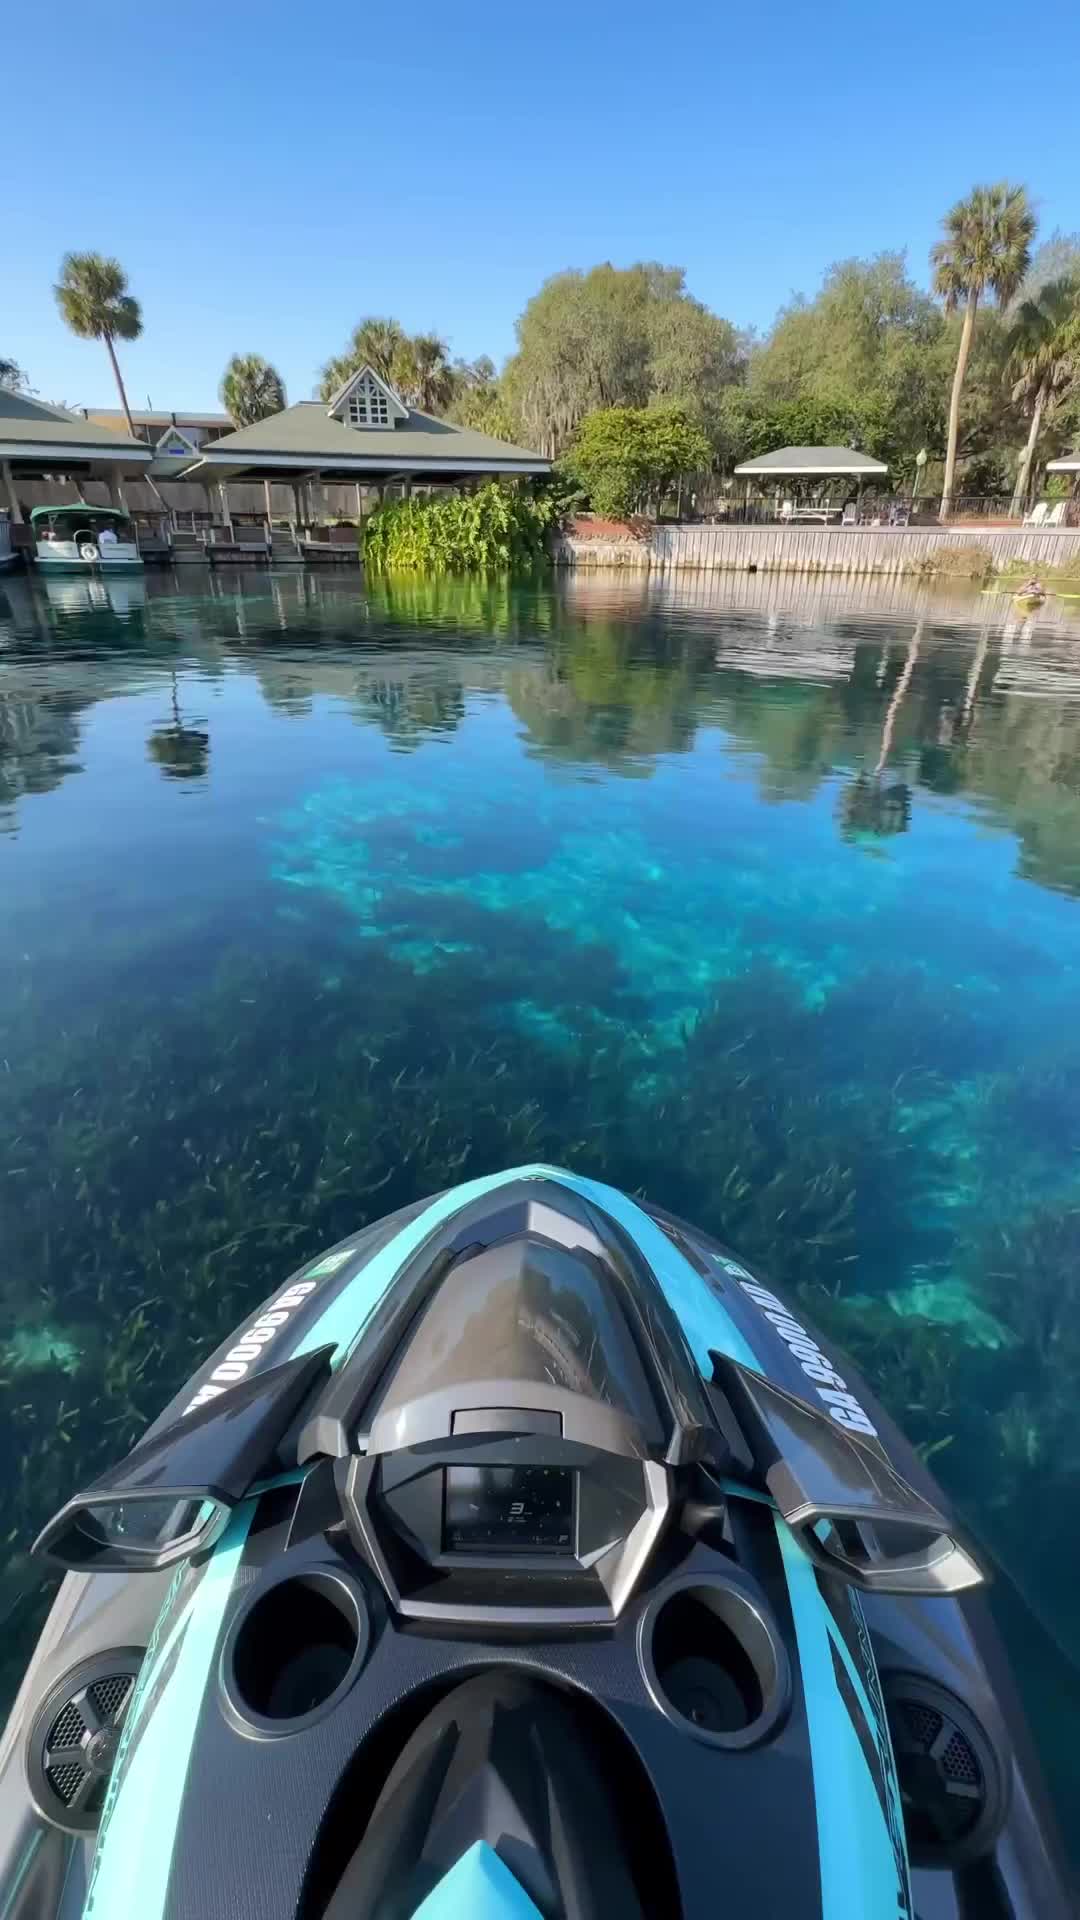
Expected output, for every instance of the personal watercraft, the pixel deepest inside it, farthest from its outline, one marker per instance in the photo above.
(523, 1555)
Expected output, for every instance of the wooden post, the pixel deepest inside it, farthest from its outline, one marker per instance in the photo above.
(298, 501)
(360, 503)
(9, 489)
(267, 502)
(223, 490)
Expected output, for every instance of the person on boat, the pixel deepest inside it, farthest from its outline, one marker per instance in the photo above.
(1032, 589)
(107, 536)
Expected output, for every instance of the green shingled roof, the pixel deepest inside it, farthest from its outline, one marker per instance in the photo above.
(34, 425)
(808, 460)
(307, 431)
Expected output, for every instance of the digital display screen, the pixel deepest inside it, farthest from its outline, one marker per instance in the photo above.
(508, 1510)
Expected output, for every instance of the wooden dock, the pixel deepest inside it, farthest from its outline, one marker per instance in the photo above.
(841, 550)
(282, 550)
(335, 552)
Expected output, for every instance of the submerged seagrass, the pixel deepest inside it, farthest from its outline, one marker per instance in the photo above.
(763, 899)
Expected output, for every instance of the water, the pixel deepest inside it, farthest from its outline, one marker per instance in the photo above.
(759, 897)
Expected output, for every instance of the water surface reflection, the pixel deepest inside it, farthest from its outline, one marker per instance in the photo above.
(758, 895)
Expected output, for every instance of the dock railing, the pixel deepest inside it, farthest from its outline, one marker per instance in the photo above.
(871, 509)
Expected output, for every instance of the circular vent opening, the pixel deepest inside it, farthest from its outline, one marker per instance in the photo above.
(75, 1737)
(713, 1663)
(951, 1782)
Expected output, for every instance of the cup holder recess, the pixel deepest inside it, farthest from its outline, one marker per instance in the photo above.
(714, 1662)
(294, 1650)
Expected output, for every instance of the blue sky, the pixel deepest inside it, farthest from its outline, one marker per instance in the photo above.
(269, 173)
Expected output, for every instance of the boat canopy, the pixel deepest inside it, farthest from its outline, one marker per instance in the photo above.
(78, 506)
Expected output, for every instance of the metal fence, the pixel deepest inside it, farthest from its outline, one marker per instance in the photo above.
(869, 509)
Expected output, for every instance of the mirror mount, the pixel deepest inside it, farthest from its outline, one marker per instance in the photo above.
(851, 1511)
(103, 1532)
(173, 1494)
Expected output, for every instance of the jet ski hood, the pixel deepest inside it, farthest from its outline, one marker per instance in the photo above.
(509, 1561)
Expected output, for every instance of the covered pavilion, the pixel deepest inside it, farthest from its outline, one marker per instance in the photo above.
(365, 434)
(810, 463)
(41, 442)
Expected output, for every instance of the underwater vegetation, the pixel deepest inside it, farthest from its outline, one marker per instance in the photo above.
(167, 1165)
(403, 883)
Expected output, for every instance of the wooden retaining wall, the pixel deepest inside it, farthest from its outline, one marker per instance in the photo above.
(878, 550)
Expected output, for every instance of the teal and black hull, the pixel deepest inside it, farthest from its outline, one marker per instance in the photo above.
(675, 1601)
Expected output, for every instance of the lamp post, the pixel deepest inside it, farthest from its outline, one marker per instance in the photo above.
(920, 467)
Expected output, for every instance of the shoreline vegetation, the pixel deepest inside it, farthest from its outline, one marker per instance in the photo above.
(646, 400)
(493, 530)
(515, 531)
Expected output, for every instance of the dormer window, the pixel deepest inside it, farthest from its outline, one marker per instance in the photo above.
(368, 405)
(367, 400)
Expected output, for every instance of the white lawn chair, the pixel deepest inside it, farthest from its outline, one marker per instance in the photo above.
(787, 509)
(850, 515)
(1057, 514)
(1038, 514)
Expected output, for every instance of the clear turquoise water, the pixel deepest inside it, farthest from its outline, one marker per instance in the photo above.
(759, 897)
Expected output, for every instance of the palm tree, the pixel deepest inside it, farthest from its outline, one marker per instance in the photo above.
(423, 374)
(374, 342)
(871, 804)
(1043, 362)
(92, 296)
(377, 342)
(251, 389)
(181, 751)
(986, 248)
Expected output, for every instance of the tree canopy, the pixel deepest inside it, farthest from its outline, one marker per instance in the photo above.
(12, 376)
(872, 360)
(616, 337)
(478, 400)
(251, 389)
(422, 373)
(627, 458)
(92, 294)
(1042, 341)
(1058, 258)
(985, 249)
(373, 342)
(416, 365)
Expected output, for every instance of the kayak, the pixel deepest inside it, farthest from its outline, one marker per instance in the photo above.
(525, 1554)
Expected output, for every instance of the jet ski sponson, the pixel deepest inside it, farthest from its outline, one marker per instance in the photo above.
(524, 1554)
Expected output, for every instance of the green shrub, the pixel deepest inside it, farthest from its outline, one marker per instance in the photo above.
(626, 457)
(495, 530)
